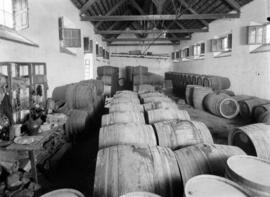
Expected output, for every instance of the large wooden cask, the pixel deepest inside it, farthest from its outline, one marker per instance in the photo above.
(125, 95)
(200, 80)
(59, 93)
(159, 115)
(76, 123)
(259, 110)
(160, 105)
(182, 133)
(124, 107)
(107, 70)
(264, 118)
(204, 159)
(213, 186)
(123, 169)
(122, 117)
(221, 105)
(156, 99)
(199, 93)
(195, 79)
(189, 94)
(254, 139)
(125, 100)
(127, 134)
(217, 82)
(247, 106)
(139, 70)
(140, 194)
(252, 173)
(145, 88)
(151, 94)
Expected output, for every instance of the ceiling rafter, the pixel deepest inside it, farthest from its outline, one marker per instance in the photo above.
(235, 5)
(87, 5)
(144, 39)
(157, 17)
(113, 9)
(193, 11)
(139, 44)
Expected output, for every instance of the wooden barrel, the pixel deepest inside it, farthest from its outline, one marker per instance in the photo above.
(252, 173)
(213, 186)
(264, 118)
(151, 94)
(144, 88)
(160, 105)
(200, 80)
(122, 117)
(97, 84)
(217, 82)
(127, 134)
(129, 92)
(76, 123)
(125, 96)
(242, 97)
(156, 99)
(180, 134)
(228, 92)
(259, 110)
(63, 192)
(138, 70)
(189, 79)
(59, 93)
(141, 79)
(107, 70)
(204, 159)
(140, 194)
(124, 107)
(107, 79)
(125, 100)
(189, 94)
(221, 105)
(199, 93)
(159, 115)
(123, 169)
(195, 79)
(254, 139)
(247, 106)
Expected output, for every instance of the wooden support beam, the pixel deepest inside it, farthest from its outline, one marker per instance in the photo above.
(138, 44)
(157, 31)
(112, 10)
(87, 5)
(193, 12)
(145, 39)
(235, 5)
(158, 17)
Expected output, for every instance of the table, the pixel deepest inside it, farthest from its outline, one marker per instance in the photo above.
(31, 149)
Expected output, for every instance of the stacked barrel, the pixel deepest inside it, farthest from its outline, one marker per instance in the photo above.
(110, 76)
(147, 144)
(82, 102)
(181, 80)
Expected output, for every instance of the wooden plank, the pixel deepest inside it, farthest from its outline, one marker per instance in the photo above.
(150, 31)
(87, 5)
(112, 10)
(145, 39)
(158, 17)
(235, 5)
(193, 11)
(153, 44)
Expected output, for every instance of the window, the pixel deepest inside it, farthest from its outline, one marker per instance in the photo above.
(14, 14)
(97, 50)
(185, 54)
(259, 34)
(222, 44)
(87, 45)
(71, 38)
(198, 50)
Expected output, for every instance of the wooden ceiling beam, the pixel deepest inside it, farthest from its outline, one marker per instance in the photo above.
(139, 44)
(158, 17)
(87, 5)
(106, 32)
(112, 10)
(145, 39)
(193, 12)
(235, 5)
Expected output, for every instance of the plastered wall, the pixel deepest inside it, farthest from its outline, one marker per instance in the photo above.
(249, 72)
(43, 30)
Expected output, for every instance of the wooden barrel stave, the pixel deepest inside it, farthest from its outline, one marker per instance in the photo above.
(199, 93)
(124, 107)
(159, 115)
(122, 117)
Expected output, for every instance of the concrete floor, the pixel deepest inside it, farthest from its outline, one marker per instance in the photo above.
(77, 169)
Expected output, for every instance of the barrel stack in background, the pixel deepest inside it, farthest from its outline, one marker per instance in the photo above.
(82, 102)
(110, 76)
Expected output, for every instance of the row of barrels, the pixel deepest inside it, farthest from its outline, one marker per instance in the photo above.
(181, 80)
(110, 77)
(130, 161)
(81, 102)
